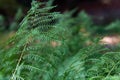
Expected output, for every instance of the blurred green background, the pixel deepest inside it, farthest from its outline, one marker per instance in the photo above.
(100, 17)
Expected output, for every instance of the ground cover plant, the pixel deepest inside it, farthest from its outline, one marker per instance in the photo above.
(53, 46)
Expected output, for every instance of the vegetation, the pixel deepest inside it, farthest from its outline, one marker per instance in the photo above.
(53, 46)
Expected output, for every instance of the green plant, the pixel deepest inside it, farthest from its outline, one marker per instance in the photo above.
(51, 46)
(2, 23)
(14, 24)
(36, 44)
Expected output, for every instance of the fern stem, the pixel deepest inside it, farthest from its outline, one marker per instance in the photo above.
(112, 69)
(18, 63)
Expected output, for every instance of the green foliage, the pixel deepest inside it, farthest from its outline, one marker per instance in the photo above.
(32, 45)
(2, 23)
(52, 46)
(14, 25)
(113, 27)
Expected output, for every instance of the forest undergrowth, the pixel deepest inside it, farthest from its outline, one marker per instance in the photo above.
(56, 46)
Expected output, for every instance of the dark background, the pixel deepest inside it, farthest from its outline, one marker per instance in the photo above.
(101, 11)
